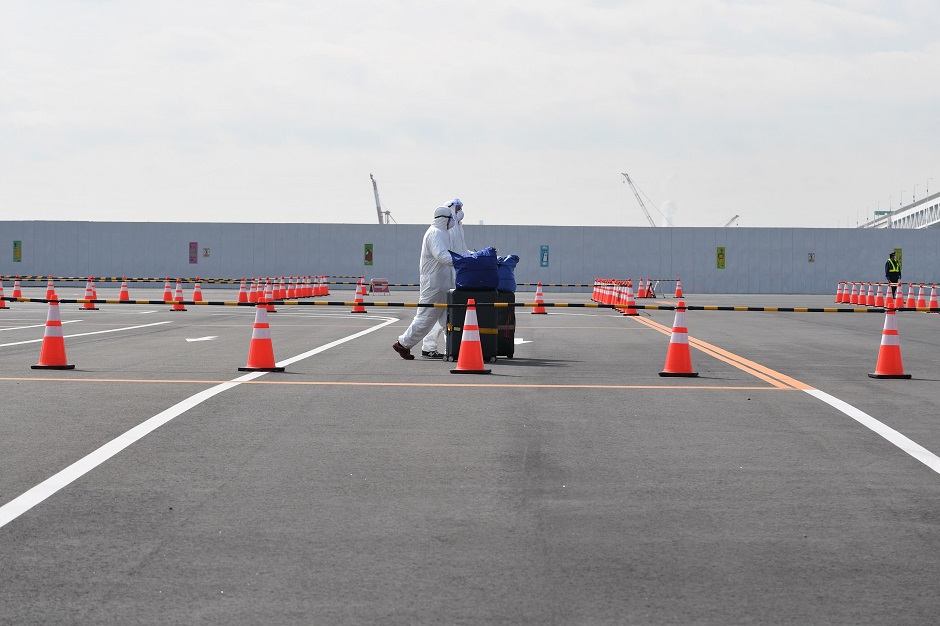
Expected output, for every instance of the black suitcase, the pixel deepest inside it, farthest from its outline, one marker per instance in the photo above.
(505, 325)
(486, 320)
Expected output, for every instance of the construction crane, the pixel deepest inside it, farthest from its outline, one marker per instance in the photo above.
(639, 199)
(732, 220)
(385, 217)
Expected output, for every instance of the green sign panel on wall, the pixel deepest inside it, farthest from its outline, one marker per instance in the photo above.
(721, 257)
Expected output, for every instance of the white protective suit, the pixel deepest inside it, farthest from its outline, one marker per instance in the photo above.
(437, 278)
(459, 245)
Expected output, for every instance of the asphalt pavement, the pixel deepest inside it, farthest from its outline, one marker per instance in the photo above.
(155, 483)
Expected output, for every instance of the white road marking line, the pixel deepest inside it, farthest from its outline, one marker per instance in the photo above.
(917, 451)
(24, 502)
(36, 325)
(333, 344)
(96, 332)
(519, 340)
(202, 338)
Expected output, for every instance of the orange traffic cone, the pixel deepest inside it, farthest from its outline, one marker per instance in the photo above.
(870, 298)
(253, 291)
(933, 299)
(839, 293)
(17, 290)
(921, 298)
(242, 294)
(124, 295)
(539, 307)
(470, 355)
(899, 298)
(620, 298)
(631, 302)
(291, 288)
(268, 296)
(52, 353)
(167, 293)
(178, 301)
(197, 291)
(261, 350)
(3, 303)
(911, 299)
(326, 286)
(879, 298)
(50, 290)
(679, 356)
(89, 296)
(678, 287)
(358, 306)
(889, 355)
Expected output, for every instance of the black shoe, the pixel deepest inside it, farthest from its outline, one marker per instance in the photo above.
(403, 352)
(431, 354)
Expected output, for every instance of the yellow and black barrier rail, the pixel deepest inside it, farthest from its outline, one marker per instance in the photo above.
(584, 305)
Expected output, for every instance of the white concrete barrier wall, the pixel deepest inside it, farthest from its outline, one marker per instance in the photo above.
(757, 260)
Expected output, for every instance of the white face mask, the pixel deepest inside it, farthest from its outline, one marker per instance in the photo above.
(459, 215)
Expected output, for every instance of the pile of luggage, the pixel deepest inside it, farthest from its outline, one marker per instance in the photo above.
(487, 279)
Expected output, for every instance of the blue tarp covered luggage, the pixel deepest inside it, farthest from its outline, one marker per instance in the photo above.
(507, 272)
(477, 270)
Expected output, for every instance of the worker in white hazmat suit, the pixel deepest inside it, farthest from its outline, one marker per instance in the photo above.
(429, 345)
(437, 278)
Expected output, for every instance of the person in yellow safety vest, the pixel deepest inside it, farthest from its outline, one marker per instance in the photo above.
(893, 272)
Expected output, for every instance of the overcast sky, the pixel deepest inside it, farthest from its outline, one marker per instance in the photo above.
(786, 112)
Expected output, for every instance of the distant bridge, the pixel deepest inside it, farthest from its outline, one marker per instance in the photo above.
(924, 213)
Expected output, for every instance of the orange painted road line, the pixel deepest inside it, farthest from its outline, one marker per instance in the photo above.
(754, 369)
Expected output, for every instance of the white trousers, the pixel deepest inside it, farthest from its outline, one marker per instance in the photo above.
(423, 322)
(429, 343)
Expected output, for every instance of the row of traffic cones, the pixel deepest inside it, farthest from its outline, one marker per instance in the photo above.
(302, 287)
(889, 364)
(606, 290)
(260, 350)
(855, 293)
(470, 358)
(294, 288)
(618, 294)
